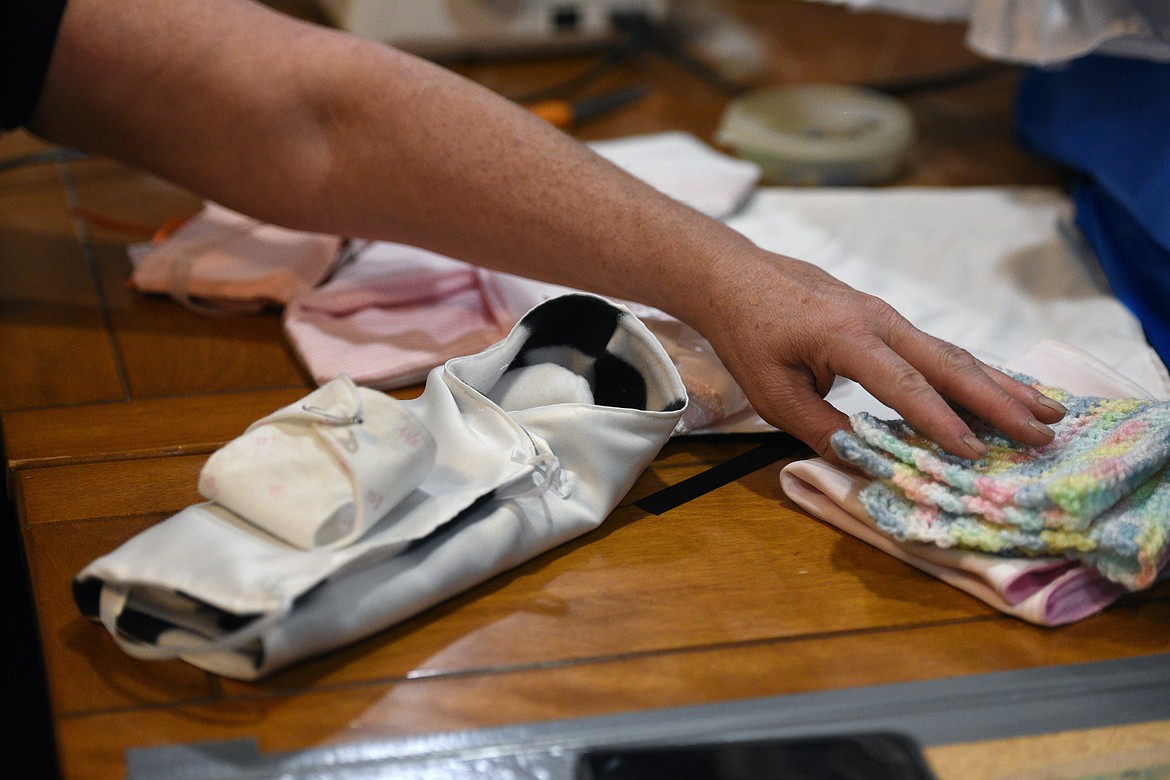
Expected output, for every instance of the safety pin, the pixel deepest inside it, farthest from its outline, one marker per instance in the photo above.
(352, 419)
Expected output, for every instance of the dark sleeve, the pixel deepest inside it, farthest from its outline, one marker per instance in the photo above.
(28, 30)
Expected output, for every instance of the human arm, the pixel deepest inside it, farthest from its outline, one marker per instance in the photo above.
(311, 128)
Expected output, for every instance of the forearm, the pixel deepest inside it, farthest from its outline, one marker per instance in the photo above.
(308, 128)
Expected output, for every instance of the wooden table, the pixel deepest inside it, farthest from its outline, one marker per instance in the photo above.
(111, 401)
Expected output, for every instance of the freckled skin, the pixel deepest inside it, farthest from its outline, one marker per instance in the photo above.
(317, 130)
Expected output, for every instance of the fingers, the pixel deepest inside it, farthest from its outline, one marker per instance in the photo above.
(1012, 407)
(895, 381)
(916, 374)
(1044, 408)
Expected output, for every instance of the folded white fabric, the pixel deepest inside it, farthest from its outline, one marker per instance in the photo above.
(320, 472)
(1042, 590)
(995, 270)
(685, 168)
(213, 589)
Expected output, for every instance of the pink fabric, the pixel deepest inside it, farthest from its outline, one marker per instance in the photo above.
(221, 260)
(397, 311)
(1048, 591)
(394, 314)
(1045, 591)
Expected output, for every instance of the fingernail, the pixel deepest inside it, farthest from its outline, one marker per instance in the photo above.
(973, 444)
(1052, 404)
(1040, 427)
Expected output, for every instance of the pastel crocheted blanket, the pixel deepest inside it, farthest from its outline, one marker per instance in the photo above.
(1099, 492)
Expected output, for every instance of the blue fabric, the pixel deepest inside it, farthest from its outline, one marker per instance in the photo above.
(1138, 268)
(1108, 119)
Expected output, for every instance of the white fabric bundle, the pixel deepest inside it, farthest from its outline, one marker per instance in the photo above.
(319, 472)
(224, 594)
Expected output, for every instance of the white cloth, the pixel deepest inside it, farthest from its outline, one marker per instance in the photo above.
(685, 168)
(207, 586)
(1044, 32)
(540, 385)
(1045, 591)
(995, 270)
(320, 472)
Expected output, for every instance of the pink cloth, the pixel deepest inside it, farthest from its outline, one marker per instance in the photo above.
(1048, 591)
(396, 312)
(1045, 591)
(220, 260)
(393, 314)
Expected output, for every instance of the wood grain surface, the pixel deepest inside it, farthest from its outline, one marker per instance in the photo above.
(112, 399)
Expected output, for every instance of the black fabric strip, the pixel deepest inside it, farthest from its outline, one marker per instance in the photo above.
(777, 446)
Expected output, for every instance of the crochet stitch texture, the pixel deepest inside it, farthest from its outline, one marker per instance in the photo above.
(1099, 492)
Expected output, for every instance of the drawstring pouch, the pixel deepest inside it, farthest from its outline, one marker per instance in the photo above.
(243, 597)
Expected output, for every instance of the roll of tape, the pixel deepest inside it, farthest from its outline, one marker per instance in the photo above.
(820, 134)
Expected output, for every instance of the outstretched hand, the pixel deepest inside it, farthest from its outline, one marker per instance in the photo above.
(786, 329)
